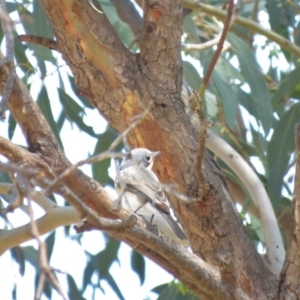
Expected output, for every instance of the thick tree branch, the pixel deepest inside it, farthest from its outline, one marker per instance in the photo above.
(212, 287)
(274, 244)
(60, 216)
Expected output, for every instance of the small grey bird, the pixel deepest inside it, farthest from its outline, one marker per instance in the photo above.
(142, 193)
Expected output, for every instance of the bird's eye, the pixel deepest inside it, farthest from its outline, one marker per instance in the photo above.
(148, 158)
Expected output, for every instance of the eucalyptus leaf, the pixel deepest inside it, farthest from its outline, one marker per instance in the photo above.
(21, 58)
(257, 227)
(280, 149)
(74, 292)
(286, 87)
(31, 255)
(50, 240)
(12, 124)
(87, 274)
(18, 256)
(227, 97)
(190, 28)
(100, 169)
(82, 99)
(255, 79)
(110, 280)
(44, 104)
(74, 112)
(42, 26)
(138, 265)
(168, 293)
(191, 75)
(104, 259)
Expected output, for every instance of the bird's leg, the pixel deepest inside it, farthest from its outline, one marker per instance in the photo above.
(149, 226)
(152, 217)
(139, 208)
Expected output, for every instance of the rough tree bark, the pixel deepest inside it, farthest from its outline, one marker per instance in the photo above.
(121, 85)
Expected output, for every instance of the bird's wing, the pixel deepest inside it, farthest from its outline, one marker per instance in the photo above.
(146, 182)
(175, 227)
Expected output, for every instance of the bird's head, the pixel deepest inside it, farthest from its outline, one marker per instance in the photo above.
(140, 156)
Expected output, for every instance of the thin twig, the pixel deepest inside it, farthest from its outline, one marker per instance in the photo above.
(11, 167)
(19, 200)
(44, 202)
(46, 270)
(25, 175)
(7, 26)
(254, 19)
(97, 158)
(217, 53)
(294, 6)
(202, 132)
(203, 46)
(42, 41)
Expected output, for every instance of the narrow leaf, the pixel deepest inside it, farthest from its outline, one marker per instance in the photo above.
(228, 100)
(138, 265)
(42, 25)
(32, 256)
(286, 87)
(100, 169)
(104, 259)
(11, 126)
(74, 292)
(191, 75)
(87, 275)
(82, 99)
(44, 104)
(18, 256)
(110, 280)
(50, 240)
(280, 149)
(250, 71)
(74, 112)
(168, 293)
(189, 27)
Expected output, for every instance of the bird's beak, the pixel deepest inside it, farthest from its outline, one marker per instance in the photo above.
(156, 154)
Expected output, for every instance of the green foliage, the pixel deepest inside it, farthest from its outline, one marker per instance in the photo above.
(138, 265)
(100, 169)
(280, 149)
(174, 291)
